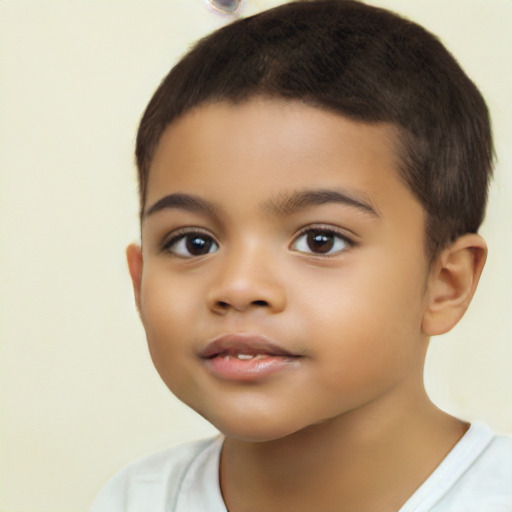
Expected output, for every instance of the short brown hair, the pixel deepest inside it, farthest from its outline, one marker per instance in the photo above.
(362, 62)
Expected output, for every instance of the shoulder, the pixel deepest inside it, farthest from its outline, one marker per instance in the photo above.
(491, 472)
(476, 476)
(482, 474)
(153, 482)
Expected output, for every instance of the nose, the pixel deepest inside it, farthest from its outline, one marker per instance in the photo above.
(245, 281)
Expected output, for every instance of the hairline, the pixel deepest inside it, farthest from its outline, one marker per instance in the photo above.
(400, 137)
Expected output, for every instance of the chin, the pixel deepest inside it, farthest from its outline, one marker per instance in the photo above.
(254, 429)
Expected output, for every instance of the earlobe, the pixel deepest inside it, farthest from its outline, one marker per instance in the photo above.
(452, 283)
(134, 259)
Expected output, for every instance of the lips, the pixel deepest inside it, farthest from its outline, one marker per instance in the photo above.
(245, 345)
(246, 357)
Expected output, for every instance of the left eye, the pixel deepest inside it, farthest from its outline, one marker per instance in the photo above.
(189, 245)
(321, 242)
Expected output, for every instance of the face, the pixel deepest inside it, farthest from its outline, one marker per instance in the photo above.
(281, 279)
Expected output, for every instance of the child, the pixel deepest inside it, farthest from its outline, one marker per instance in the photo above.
(312, 180)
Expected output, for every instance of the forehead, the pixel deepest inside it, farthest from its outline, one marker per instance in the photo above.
(268, 147)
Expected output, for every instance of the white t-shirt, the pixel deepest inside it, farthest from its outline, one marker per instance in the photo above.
(476, 476)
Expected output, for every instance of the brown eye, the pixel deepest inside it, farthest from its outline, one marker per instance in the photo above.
(321, 242)
(189, 245)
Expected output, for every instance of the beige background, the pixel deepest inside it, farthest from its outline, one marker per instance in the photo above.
(78, 394)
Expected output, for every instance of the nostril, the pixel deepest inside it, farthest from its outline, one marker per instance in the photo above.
(223, 306)
(260, 303)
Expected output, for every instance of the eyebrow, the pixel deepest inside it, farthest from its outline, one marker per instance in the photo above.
(287, 204)
(187, 202)
(282, 205)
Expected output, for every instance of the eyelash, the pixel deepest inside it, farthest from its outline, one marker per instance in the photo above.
(328, 231)
(171, 243)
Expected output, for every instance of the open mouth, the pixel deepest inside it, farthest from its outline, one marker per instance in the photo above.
(244, 347)
(246, 357)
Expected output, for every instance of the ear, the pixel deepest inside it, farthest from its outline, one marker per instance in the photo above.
(452, 283)
(135, 264)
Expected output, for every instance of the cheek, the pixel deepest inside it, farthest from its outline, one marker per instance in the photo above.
(367, 316)
(165, 299)
(368, 293)
(165, 313)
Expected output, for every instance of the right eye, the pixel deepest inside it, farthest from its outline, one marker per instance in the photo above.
(321, 241)
(191, 244)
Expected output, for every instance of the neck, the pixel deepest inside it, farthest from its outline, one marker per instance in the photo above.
(368, 459)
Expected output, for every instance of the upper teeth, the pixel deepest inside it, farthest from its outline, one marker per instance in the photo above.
(248, 357)
(245, 356)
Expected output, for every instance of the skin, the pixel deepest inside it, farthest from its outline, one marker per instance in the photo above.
(348, 426)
